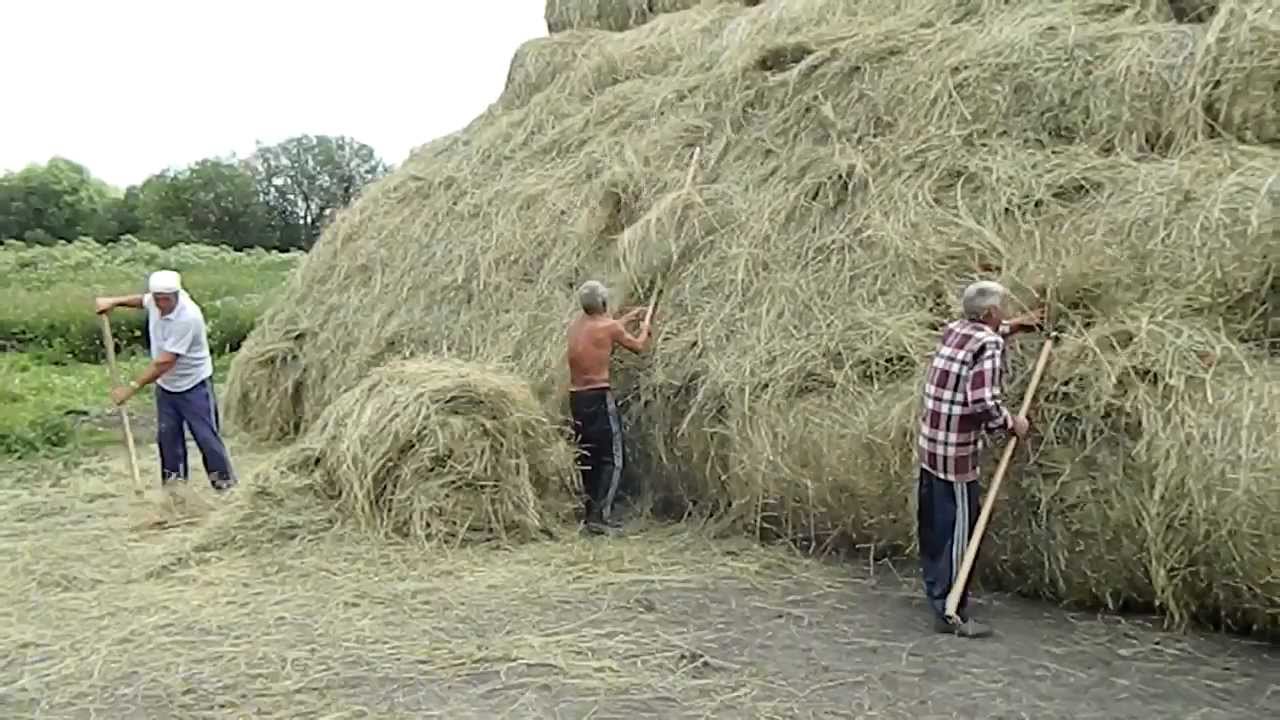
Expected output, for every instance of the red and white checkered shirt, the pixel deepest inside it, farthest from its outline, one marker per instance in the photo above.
(962, 399)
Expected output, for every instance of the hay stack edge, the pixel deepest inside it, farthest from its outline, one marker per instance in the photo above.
(859, 163)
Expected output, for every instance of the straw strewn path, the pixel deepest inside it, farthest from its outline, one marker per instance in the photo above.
(665, 623)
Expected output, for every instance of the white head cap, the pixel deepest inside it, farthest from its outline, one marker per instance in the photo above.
(164, 281)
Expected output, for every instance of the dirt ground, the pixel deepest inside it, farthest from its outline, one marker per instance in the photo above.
(664, 622)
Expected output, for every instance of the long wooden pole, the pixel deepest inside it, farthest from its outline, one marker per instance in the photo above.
(648, 314)
(971, 552)
(110, 345)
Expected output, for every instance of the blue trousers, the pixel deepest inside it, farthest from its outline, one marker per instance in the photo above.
(197, 409)
(945, 517)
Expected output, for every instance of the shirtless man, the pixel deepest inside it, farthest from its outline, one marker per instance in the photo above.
(596, 423)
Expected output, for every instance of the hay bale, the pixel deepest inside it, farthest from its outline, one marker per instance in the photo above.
(611, 15)
(539, 62)
(441, 450)
(425, 450)
(587, 63)
(858, 166)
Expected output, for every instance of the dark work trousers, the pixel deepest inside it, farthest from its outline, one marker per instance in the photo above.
(945, 518)
(597, 428)
(197, 409)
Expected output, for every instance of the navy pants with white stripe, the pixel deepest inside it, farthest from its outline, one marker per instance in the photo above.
(197, 409)
(946, 515)
(597, 427)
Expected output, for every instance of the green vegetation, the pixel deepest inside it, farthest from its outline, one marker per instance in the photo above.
(49, 406)
(52, 406)
(49, 293)
(53, 377)
(279, 197)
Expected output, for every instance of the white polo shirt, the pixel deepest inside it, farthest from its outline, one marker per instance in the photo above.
(181, 332)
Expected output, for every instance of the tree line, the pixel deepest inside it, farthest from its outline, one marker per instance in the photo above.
(278, 198)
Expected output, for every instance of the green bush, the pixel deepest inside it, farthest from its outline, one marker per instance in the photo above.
(50, 404)
(49, 291)
(44, 403)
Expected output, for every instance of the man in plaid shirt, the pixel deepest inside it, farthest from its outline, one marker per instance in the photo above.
(962, 401)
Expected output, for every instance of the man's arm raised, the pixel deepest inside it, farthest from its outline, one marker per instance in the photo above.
(634, 343)
(107, 304)
(1024, 323)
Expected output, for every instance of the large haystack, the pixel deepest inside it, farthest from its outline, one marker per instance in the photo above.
(859, 163)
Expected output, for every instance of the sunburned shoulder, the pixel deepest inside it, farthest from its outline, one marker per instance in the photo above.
(588, 325)
(602, 322)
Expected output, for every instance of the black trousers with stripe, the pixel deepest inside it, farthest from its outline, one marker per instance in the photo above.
(945, 516)
(597, 428)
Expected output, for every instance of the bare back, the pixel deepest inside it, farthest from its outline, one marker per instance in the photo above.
(591, 339)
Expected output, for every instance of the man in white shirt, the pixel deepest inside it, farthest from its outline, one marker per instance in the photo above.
(182, 370)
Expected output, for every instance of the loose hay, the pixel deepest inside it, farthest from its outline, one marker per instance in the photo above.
(861, 162)
(173, 505)
(429, 450)
(660, 624)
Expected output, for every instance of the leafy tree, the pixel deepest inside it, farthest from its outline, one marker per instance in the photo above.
(126, 215)
(213, 202)
(56, 201)
(305, 178)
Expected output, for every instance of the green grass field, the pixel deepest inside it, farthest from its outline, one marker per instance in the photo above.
(48, 292)
(53, 373)
(52, 406)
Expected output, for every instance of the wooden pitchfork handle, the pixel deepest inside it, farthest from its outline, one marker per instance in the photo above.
(648, 313)
(110, 345)
(971, 552)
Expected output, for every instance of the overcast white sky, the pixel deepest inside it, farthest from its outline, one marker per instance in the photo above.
(130, 87)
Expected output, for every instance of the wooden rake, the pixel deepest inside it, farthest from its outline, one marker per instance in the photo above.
(109, 343)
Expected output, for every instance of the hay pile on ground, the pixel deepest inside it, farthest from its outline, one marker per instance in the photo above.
(433, 451)
(859, 163)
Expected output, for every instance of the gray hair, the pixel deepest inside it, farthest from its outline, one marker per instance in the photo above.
(593, 296)
(980, 297)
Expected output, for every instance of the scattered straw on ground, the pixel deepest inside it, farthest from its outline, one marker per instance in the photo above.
(663, 623)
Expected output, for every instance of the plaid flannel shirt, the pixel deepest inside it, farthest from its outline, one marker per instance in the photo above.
(962, 399)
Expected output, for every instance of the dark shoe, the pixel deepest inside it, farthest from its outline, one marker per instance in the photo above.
(593, 527)
(593, 524)
(597, 525)
(966, 628)
(221, 483)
